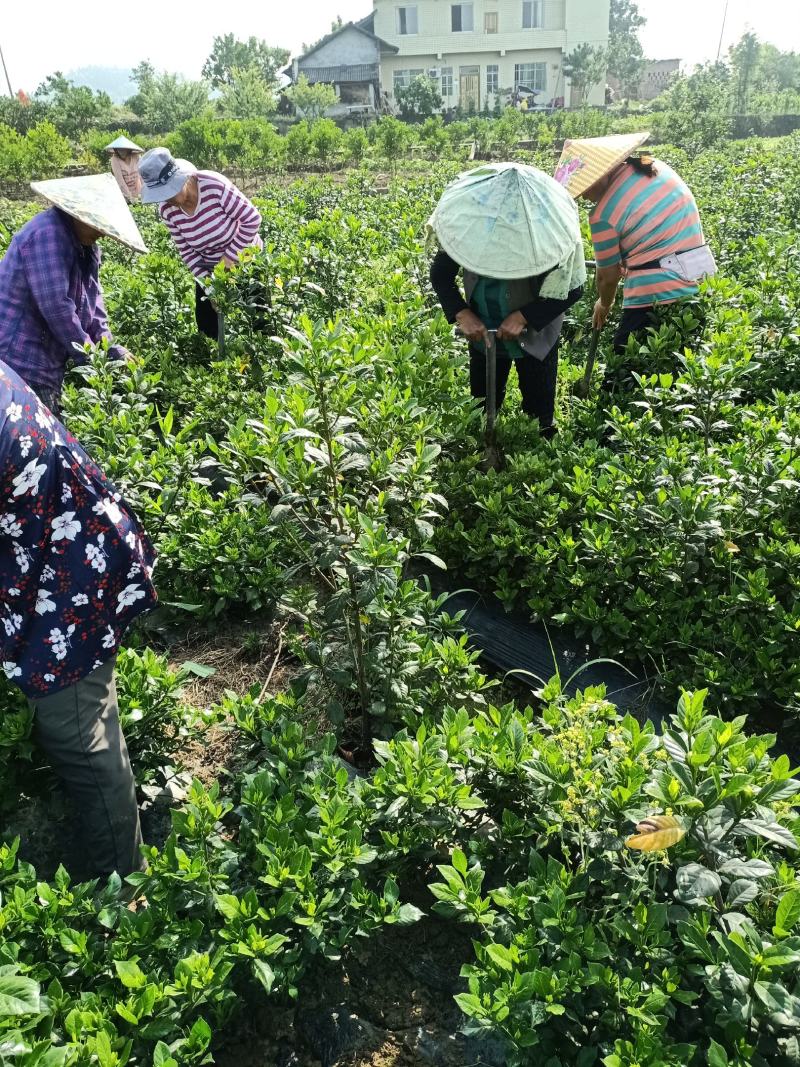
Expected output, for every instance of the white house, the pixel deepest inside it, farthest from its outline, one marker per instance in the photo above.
(480, 49)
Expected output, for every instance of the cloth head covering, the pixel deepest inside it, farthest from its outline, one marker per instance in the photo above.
(586, 160)
(124, 142)
(162, 175)
(96, 200)
(506, 221)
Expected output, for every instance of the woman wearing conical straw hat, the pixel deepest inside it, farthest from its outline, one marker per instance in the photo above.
(646, 229)
(514, 234)
(51, 302)
(125, 167)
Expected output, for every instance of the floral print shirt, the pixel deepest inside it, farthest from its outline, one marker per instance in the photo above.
(75, 566)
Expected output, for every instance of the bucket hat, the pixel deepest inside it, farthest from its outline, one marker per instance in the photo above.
(96, 200)
(506, 221)
(586, 160)
(162, 175)
(124, 142)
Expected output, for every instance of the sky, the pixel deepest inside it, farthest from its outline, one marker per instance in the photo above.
(178, 36)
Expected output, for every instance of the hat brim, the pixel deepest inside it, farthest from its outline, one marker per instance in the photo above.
(122, 144)
(96, 201)
(159, 194)
(584, 161)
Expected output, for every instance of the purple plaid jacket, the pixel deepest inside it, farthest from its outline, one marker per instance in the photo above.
(50, 299)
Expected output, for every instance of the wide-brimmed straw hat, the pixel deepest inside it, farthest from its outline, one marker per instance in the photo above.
(506, 221)
(585, 161)
(162, 175)
(124, 143)
(96, 200)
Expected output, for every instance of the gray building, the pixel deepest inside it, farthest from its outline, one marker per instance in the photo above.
(349, 59)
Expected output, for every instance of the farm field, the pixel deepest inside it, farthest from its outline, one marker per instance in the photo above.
(375, 852)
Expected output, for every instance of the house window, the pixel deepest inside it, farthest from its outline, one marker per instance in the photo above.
(490, 20)
(462, 18)
(493, 79)
(403, 78)
(448, 87)
(531, 75)
(532, 14)
(407, 21)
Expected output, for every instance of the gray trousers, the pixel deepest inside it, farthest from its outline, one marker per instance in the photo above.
(79, 730)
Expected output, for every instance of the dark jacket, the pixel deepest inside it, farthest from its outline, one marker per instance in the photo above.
(539, 312)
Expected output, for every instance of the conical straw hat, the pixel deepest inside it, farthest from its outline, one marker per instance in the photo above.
(124, 142)
(506, 221)
(585, 161)
(96, 200)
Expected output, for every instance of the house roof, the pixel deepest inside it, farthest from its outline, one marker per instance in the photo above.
(359, 27)
(353, 72)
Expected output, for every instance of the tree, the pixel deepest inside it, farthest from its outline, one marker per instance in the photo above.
(391, 139)
(165, 100)
(698, 109)
(311, 100)
(744, 58)
(586, 67)
(420, 98)
(247, 95)
(625, 56)
(229, 54)
(73, 109)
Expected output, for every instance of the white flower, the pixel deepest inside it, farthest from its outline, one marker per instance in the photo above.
(96, 557)
(11, 669)
(130, 540)
(60, 641)
(110, 638)
(43, 417)
(109, 508)
(12, 624)
(80, 599)
(135, 569)
(14, 412)
(99, 594)
(22, 557)
(13, 591)
(65, 527)
(49, 677)
(43, 602)
(25, 444)
(129, 595)
(66, 494)
(30, 478)
(97, 663)
(10, 525)
(78, 458)
(48, 573)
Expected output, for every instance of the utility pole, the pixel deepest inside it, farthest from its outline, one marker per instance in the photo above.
(5, 71)
(722, 31)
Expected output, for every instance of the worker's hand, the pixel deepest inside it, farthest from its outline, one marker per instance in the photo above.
(122, 355)
(512, 328)
(471, 326)
(227, 262)
(600, 315)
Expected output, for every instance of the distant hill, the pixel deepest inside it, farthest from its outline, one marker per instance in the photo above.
(116, 81)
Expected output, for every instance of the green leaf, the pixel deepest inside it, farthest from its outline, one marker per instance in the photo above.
(408, 914)
(696, 882)
(200, 670)
(130, 974)
(741, 891)
(265, 974)
(717, 1056)
(459, 861)
(500, 955)
(162, 1057)
(774, 832)
(18, 995)
(469, 1004)
(788, 912)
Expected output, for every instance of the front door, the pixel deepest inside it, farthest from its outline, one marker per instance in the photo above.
(470, 88)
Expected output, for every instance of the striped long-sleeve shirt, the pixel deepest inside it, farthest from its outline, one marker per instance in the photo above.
(222, 226)
(640, 220)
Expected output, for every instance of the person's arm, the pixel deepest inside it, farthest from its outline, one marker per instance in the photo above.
(236, 206)
(608, 257)
(444, 271)
(46, 265)
(541, 312)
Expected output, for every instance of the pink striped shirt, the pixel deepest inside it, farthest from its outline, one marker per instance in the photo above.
(223, 224)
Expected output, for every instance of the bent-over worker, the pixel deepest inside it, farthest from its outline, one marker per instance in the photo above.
(514, 234)
(51, 302)
(646, 229)
(210, 220)
(125, 156)
(75, 570)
